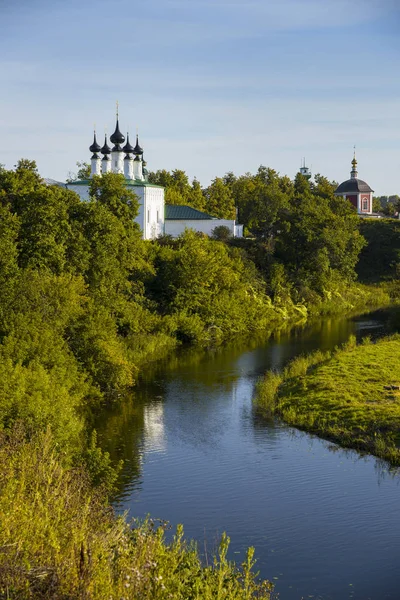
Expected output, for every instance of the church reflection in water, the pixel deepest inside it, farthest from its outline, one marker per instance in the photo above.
(154, 438)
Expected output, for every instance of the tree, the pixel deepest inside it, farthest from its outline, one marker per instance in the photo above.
(84, 172)
(376, 205)
(111, 191)
(321, 242)
(323, 187)
(196, 198)
(221, 233)
(176, 183)
(45, 229)
(219, 200)
(389, 209)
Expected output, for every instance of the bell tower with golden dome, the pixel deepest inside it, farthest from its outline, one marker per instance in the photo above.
(356, 191)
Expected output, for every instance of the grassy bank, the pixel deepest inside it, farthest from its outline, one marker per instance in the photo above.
(348, 396)
(59, 540)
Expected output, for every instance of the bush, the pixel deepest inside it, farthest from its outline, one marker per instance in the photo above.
(59, 540)
(221, 233)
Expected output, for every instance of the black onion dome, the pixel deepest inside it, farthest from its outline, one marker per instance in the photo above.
(106, 148)
(128, 148)
(95, 146)
(117, 137)
(353, 185)
(137, 149)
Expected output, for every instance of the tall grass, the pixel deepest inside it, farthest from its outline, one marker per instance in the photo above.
(59, 540)
(267, 388)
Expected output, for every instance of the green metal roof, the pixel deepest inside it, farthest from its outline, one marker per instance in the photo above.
(174, 212)
(142, 184)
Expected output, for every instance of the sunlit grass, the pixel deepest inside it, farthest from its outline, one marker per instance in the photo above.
(346, 396)
(58, 539)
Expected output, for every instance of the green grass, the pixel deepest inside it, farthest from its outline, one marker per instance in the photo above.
(341, 396)
(59, 540)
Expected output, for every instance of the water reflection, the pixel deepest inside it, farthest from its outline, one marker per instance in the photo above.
(154, 438)
(321, 518)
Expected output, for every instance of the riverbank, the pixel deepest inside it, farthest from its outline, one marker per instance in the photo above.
(59, 539)
(350, 395)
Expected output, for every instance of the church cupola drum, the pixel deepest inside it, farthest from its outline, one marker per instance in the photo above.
(95, 160)
(106, 160)
(128, 160)
(356, 191)
(117, 158)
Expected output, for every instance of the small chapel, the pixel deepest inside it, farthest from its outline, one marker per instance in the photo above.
(356, 191)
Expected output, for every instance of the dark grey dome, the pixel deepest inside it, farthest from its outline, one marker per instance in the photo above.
(95, 146)
(106, 148)
(117, 137)
(137, 149)
(353, 185)
(128, 148)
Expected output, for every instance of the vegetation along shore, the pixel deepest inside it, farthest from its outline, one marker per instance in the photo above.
(85, 304)
(350, 396)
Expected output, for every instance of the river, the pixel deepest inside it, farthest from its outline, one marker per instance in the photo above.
(325, 522)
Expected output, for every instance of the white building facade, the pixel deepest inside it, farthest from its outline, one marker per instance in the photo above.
(178, 218)
(127, 160)
(154, 218)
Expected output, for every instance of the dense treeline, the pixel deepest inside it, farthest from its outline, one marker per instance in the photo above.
(380, 257)
(85, 303)
(305, 242)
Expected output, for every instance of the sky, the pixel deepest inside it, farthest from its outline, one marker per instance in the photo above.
(212, 86)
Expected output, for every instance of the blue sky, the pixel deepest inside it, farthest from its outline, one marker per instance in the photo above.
(213, 86)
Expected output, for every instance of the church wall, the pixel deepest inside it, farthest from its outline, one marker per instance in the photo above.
(175, 227)
(81, 190)
(365, 200)
(139, 191)
(153, 212)
(150, 216)
(353, 198)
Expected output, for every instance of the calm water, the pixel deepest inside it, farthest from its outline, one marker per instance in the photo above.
(325, 522)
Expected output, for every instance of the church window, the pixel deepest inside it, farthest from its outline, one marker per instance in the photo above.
(365, 204)
(148, 216)
(158, 216)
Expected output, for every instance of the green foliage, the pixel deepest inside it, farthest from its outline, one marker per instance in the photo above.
(219, 200)
(376, 205)
(85, 302)
(350, 396)
(380, 258)
(178, 189)
(84, 172)
(196, 198)
(265, 392)
(98, 464)
(221, 233)
(210, 288)
(59, 540)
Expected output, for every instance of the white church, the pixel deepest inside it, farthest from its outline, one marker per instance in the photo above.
(154, 218)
